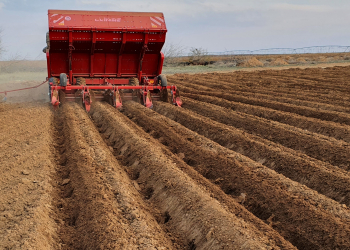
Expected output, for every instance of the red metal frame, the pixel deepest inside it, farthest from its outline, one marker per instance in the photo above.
(145, 92)
(105, 87)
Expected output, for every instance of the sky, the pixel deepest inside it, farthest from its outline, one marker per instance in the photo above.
(215, 26)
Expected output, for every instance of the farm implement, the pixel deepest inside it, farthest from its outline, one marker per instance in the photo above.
(104, 55)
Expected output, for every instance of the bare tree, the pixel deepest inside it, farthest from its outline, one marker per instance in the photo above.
(173, 52)
(198, 56)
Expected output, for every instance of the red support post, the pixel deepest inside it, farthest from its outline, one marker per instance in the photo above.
(48, 62)
(160, 64)
(120, 56)
(92, 52)
(70, 55)
(142, 54)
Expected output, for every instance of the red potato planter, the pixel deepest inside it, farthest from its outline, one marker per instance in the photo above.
(117, 55)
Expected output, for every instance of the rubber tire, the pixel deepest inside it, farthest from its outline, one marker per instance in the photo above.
(51, 80)
(163, 81)
(63, 80)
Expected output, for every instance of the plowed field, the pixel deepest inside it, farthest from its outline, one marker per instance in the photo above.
(253, 160)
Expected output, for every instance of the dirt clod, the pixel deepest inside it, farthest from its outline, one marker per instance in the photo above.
(65, 182)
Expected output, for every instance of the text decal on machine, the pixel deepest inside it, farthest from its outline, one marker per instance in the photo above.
(104, 19)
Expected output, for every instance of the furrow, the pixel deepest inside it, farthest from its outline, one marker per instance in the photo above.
(187, 206)
(204, 156)
(331, 129)
(98, 206)
(314, 145)
(333, 116)
(296, 207)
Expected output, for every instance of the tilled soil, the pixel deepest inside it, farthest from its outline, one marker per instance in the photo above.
(26, 167)
(253, 160)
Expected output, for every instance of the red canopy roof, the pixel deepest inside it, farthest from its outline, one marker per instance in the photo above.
(106, 20)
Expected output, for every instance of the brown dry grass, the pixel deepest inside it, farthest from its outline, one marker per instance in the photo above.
(271, 60)
(22, 66)
(251, 62)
